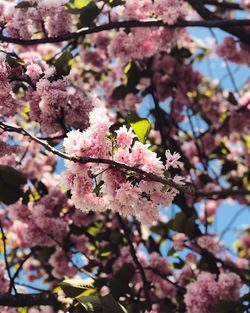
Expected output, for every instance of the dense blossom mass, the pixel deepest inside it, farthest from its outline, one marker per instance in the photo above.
(124, 156)
(99, 188)
(206, 292)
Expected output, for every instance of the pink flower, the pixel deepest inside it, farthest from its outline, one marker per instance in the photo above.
(61, 265)
(206, 242)
(172, 160)
(203, 294)
(124, 136)
(4, 282)
(230, 285)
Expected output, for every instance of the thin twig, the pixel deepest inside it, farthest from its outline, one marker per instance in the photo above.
(21, 265)
(146, 284)
(224, 4)
(12, 284)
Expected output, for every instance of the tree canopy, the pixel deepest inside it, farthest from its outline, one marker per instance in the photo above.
(117, 151)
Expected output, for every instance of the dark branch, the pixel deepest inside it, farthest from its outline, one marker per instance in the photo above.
(224, 4)
(189, 189)
(83, 160)
(223, 193)
(28, 300)
(12, 285)
(146, 284)
(211, 22)
(207, 15)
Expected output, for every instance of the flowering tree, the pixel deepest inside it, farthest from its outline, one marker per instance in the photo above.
(116, 153)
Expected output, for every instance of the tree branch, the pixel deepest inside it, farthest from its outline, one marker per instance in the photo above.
(189, 189)
(224, 4)
(28, 300)
(207, 15)
(83, 160)
(146, 284)
(209, 23)
(12, 284)
(223, 193)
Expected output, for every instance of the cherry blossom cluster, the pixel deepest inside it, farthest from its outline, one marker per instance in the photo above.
(8, 104)
(203, 294)
(245, 4)
(5, 148)
(143, 43)
(170, 11)
(47, 17)
(57, 106)
(54, 103)
(98, 187)
(233, 52)
(38, 223)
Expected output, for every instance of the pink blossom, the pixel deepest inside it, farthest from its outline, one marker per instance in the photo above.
(245, 4)
(56, 107)
(172, 160)
(203, 294)
(124, 136)
(230, 285)
(4, 282)
(206, 242)
(61, 265)
(231, 51)
(8, 104)
(116, 192)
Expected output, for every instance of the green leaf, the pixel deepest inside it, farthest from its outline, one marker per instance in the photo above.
(140, 126)
(44, 254)
(90, 12)
(78, 309)
(111, 305)
(98, 188)
(183, 224)
(178, 223)
(115, 237)
(133, 75)
(171, 252)
(190, 226)
(228, 166)
(105, 251)
(91, 303)
(63, 63)
(25, 4)
(23, 310)
(9, 194)
(95, 229)
(181, 54)
(14, 62)
(11, 176)
(76, 6)
(121, 279)
(225, 306)
(114, 3)
(120, 92)
(73, 288)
